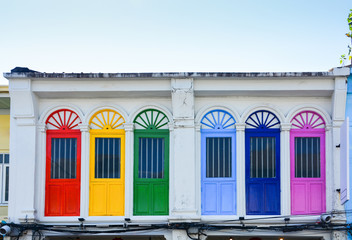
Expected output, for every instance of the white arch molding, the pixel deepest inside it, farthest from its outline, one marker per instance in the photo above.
(159, 107)
(48, 111)
(267, 107)
(305, 107)
(94, 110)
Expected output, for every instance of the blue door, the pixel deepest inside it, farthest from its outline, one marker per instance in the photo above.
(262, 156)
(218, 164)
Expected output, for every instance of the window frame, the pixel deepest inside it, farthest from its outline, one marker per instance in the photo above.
(3, 167)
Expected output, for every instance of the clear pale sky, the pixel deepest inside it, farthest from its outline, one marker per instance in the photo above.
(172, 35)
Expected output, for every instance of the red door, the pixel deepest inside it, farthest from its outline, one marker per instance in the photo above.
(63, 164)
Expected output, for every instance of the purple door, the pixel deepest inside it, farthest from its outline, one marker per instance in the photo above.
(307, 143)
(218, 164)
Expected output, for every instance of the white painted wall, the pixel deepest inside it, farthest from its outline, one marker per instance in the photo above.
(184, 100)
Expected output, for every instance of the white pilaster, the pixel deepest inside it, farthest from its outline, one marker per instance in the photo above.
(330, 191)
(285, 169)
(40, 171)
(184, 164)
(85, 150)
(198, 167)
(23, 141)
(241, 169)
(129, 169)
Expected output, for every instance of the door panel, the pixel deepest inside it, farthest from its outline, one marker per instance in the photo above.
(263, 172)
(141, 198)
(270, 198)
(71, 198)
(299, 194)
(254, 198)
(315, 198)
(115, 203)
(227, 198)
(159, 201)
(210, 194)
(53, 200)
(97, 202)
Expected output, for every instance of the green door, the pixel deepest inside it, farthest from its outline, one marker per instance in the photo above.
(151, 172)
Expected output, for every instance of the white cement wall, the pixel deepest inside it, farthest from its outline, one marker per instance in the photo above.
(185, 101)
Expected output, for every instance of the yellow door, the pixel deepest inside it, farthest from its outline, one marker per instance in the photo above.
(107, 165)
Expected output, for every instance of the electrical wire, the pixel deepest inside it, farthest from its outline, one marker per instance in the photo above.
(201, 227)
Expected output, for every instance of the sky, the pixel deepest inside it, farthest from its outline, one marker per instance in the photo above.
(172, 35)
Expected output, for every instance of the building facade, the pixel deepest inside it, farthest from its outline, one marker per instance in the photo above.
(4, 150)
(176, 155)
(348, 203)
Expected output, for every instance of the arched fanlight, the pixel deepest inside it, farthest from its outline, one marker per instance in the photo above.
(262, 119)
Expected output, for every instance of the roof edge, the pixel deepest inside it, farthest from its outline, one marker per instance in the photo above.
(176, 75)
(28, 73)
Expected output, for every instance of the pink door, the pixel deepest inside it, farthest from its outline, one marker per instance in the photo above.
(307, 164)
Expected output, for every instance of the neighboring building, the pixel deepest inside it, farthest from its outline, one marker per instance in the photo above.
(4, 150)
(176, 155)
(348, 204)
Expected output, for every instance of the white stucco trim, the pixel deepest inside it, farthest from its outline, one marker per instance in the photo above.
(46, 113)
(103, 106)
(308, 107)
(152, 105)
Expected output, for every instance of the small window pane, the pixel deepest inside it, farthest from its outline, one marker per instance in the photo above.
(307, 157)
(218, 157)
(107, 157)
(151, 158)
(63, 158)
(262, 157)
(7, 158)
(6, 184)
(1, 157)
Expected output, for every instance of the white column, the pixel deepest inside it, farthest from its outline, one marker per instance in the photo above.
(23, 142)
(241, 169)
(336, 203)
(129, 169)
(198, 167)
(328, 167)
(85, 150)
(338, 117)
(23, 166)
(183, 140)
(172, 181)
(40, 171)
(285, 169)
